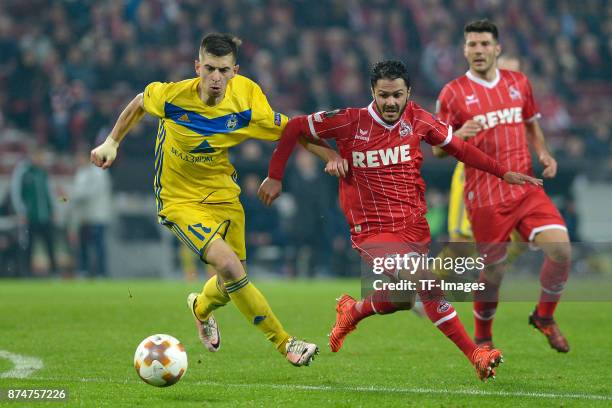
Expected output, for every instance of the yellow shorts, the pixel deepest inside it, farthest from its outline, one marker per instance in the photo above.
(197, 225)
(458, 222)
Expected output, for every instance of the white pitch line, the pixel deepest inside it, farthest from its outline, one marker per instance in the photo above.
(23, 365)
(328, 388)
(413, 391)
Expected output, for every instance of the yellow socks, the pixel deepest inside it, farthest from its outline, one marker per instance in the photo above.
(255, 308)
(249, 301)
(211, 298)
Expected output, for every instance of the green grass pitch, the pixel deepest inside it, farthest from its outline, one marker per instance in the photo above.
(86, 332)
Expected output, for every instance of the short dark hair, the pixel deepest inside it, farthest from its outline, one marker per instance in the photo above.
(481, 26)
(220, 45)
(389, 70)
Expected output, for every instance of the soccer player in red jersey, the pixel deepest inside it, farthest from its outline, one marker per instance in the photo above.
(382, 193)
(494, 110)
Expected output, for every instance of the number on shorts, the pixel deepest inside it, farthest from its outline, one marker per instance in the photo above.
(204, 229)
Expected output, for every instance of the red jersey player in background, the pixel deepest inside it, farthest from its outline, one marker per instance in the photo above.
(494, 110)
(460, 238)
(382, 193)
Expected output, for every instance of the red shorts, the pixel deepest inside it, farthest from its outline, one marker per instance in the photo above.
(415, 237)
(532, 213)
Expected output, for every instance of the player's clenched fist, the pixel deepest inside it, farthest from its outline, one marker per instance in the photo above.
(337, 167)
(104, 155)
(550, 165)
(269, 190)
(469, 129)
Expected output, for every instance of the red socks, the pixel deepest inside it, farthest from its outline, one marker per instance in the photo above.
(443, 315)
(553, 277)
(485, 306)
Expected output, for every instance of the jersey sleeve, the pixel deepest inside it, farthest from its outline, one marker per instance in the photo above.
(329, 125)
(155, 98)
(265, 123)
(530, 109)
(444, 107)
(434, 131)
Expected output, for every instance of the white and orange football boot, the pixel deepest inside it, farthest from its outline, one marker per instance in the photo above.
(208, 330)
(300, 353)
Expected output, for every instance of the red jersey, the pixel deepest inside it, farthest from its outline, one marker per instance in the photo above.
(502, 107)
(384, 191)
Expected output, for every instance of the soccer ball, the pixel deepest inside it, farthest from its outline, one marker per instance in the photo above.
(160, 360)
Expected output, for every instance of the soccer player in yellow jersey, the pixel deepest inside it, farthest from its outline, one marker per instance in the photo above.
(195, 183)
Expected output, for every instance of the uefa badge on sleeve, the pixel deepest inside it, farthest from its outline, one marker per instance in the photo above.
(277, 119)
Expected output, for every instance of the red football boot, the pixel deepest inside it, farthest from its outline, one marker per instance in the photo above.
(485, 360)
(549, 328)
(344, 322)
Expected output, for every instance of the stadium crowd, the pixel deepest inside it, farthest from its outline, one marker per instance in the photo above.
(69, 67)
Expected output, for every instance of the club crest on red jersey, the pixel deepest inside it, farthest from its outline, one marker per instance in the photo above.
(405, 129)
(514, 93)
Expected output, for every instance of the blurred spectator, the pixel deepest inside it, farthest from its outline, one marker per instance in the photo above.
(574, 148)
(251, 158)
(10, 262)
(91, 212)
(439, 60)
(572, 220)
(598, 142)
(262, 223)
(32, 201)
(555, 116)
(310, 189)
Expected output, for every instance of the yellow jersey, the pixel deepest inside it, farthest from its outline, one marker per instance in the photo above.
(458, 222)
(191, 151)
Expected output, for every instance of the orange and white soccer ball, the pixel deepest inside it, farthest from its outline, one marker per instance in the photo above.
(160, 360)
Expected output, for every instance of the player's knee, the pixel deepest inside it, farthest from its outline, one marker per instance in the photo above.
(559, 252)
(494, 274)
(227, 267)
(224, 261)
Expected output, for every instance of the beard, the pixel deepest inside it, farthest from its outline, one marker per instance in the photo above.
(396, 110)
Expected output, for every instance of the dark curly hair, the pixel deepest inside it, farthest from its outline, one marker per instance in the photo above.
(389, 70)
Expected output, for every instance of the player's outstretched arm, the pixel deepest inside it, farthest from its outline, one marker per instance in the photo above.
(335, 165)
(472, 156)
(535, 137)
(271, 187)
(104, 155)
